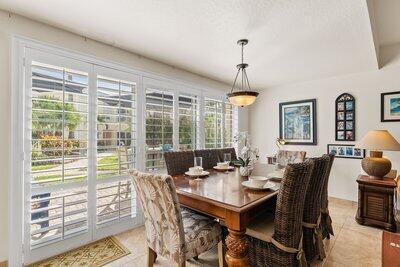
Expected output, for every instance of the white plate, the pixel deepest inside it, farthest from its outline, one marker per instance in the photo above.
(268, 185)
(204, 173)
(223, 169)
(275, 175)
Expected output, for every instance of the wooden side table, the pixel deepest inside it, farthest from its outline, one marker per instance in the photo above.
(376, 201)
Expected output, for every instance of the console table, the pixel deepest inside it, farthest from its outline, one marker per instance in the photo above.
(376, 201)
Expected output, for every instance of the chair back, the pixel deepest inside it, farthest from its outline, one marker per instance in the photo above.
(326, 221)
(324, 198)
(312, 206)
(285, 157)
(290, 203)
(210, 157)
(178, 162)
(161, 210)
(222, 151)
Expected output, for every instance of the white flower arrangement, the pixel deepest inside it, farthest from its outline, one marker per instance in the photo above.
(248, 154)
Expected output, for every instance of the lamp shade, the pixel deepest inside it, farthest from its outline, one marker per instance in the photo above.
(378, 140)
(242, 98)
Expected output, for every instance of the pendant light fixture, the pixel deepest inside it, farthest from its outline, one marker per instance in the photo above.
(244, 97)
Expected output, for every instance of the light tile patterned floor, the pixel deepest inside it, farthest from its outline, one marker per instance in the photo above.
(353, 245)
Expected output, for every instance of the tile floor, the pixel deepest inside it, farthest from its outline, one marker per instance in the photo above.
(353, 245)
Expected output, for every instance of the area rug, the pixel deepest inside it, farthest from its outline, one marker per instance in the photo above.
(98, 253)
(390, 249)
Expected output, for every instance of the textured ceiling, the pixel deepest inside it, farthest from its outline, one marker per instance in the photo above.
(290, 41)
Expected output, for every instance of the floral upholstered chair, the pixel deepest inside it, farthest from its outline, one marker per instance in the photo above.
(172, 232)
(285, 157)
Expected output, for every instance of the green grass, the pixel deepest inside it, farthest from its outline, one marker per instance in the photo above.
(58, 176)
(108, 160)
(43, 167)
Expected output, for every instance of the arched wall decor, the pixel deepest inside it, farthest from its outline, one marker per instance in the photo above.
(345, 106)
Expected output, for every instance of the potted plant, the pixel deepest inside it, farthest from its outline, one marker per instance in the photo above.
(248, 154)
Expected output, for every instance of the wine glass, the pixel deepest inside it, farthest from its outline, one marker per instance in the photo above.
(227, 160)
(198, 163)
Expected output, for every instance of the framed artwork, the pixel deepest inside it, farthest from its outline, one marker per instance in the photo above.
(345, 105)
(346, 151)
(298, 122)
(390, 106)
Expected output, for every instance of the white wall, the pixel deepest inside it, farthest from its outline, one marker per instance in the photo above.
(17, 25)
(365, 87)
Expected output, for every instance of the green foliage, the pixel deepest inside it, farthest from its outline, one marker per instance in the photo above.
(244, 162)
(49, 118)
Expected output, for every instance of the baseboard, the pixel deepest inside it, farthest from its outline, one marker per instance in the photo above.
(4, 264)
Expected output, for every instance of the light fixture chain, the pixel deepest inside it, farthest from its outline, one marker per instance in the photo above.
(237, 74)
(242, 52)
(247, 79)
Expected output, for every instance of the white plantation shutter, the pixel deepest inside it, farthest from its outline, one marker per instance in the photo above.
(79, 143)
(230, 125)
(58, 215)
(159, 127)
(59, 128)
(116, 149)
(213, 123)
(189, 117)
(58, 152)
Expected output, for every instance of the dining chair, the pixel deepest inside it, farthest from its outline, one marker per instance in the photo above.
(312, 233)
(178, 162)
(276, 239)
(210, 157)
(222, 151)
(285, 157)
(172, 232)
(326, 220)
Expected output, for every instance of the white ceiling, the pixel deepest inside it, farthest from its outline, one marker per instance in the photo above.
(290, 41)
(387, 16)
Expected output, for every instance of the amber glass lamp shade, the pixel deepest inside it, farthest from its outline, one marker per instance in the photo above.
(376, 141)
(242, 98)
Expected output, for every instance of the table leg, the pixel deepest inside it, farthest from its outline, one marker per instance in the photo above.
(238, 247)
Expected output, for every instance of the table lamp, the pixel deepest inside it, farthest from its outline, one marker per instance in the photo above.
(376, 141)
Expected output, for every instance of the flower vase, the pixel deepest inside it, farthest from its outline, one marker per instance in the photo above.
(245, 171)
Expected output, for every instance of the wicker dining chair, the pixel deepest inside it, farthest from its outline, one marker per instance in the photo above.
(285, 157)
(312, 234)
(277, 240)
(222, 151)
(175, 233)
(210, 157)
(326, 220)
(178, 162)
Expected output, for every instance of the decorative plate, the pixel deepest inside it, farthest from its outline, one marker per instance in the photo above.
(268, 185)
(204, 173)
(275, 175)
(223, 169)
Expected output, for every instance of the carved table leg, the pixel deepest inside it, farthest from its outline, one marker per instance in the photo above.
(238, 246)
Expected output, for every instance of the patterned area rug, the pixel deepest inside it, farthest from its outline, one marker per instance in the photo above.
(98, 253)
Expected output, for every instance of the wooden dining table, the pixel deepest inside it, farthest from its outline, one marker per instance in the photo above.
(222, 195)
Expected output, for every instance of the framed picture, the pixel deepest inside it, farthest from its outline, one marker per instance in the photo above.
(349, 116)
(390, 106)
(345, 117)
(340, 135)
(346, 151)
(298, 122)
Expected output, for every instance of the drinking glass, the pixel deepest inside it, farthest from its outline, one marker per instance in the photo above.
(227, 159)
(198, 162)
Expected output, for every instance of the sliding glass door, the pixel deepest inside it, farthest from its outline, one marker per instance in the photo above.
(80, 142)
